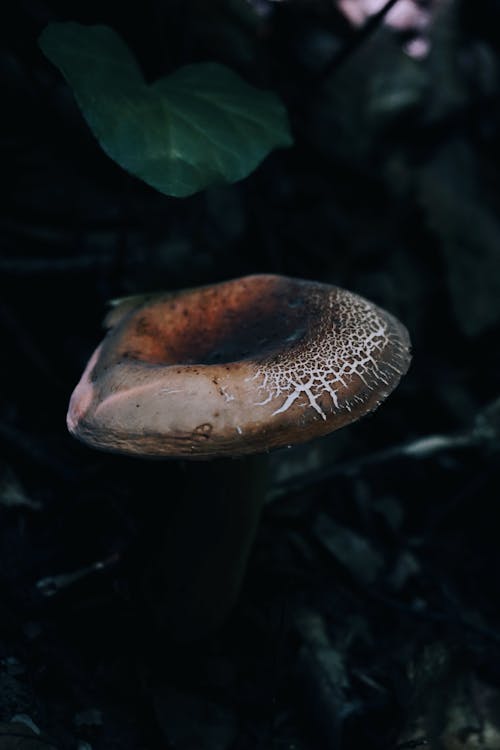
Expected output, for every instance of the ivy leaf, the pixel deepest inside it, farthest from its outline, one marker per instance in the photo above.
(199, 126)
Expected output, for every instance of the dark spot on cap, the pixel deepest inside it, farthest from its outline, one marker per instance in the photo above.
(202, 431)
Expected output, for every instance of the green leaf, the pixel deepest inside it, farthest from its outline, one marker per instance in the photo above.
(199, 126)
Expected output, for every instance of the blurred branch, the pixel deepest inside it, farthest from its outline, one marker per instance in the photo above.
(51, 585)
(340, 57)
(485, 430)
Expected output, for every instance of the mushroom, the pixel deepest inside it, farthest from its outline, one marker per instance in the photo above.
(228, 370)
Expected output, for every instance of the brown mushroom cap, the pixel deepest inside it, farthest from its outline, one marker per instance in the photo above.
(235, 368)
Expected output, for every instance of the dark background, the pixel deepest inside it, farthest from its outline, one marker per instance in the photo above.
(370, 613)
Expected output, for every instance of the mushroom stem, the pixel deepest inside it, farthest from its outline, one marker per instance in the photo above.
(204, 552)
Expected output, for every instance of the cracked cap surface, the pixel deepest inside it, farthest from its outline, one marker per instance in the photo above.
(239, 367)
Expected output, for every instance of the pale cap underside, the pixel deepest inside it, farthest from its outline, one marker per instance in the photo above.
(240, 367)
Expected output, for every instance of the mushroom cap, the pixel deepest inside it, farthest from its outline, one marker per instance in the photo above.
(239, 367)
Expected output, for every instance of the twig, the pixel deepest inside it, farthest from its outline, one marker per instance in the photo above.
(421, 448)
(51, 585)
(483, 431)
(340, 57)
